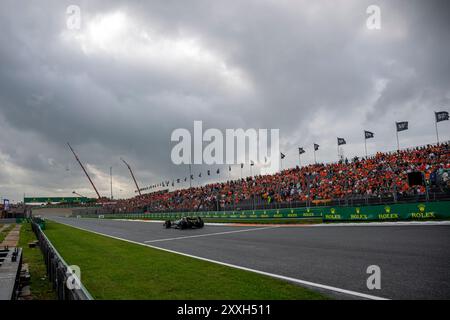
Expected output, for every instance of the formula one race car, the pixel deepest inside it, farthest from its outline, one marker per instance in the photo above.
(185, 223)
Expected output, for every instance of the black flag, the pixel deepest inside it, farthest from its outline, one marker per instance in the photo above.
(200, 175)
(192, 177)
(178, 180)
(229, 168)
(185, 179)
(209, 172)
(218, 171)
(252, 163)
(368, 134)
(341, 141)
(301, 151)
(441, 116)
(242, 165)
(402, 126)
(316, 147)
(282, 155)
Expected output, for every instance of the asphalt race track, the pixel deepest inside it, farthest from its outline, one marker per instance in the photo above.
(414, 259)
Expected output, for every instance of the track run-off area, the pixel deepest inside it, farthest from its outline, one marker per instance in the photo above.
(414, 258)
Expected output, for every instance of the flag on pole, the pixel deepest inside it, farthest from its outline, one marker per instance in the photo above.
(192, 177)
(209, 172)
(251, 163)
(200, 175)
(242, 165)
(316, 147)
(441, 116)
(368, 134)
(402, 126)
(218, 171)
(301, 151)
(282, 155)
(229, 168)
(341, 141)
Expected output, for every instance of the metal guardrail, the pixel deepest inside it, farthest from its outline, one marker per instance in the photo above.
(57, 269)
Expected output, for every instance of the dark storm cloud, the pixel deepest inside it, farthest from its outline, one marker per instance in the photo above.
(310, 68)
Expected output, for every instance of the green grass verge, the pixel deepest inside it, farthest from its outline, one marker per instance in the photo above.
(41, 288)
(5, 231)
(115, 269)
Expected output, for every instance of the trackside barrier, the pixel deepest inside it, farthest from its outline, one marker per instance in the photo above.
(57, 269)
(405, 211)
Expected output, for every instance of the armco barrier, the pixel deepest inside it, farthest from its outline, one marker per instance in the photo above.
(405, 211)
(57, 268)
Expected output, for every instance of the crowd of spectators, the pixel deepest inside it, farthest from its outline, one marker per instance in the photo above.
(375, 176)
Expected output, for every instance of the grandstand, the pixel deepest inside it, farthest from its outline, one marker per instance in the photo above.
(377, 179)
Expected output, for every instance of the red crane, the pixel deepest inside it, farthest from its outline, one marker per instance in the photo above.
(132, 175)
(82, 167)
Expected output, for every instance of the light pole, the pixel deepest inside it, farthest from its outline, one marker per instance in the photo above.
(110, 174)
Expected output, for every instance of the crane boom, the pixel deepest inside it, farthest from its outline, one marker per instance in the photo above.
(82, 167)
(132, 175)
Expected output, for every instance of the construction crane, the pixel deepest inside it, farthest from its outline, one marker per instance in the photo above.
(82, 167)
(132, 175)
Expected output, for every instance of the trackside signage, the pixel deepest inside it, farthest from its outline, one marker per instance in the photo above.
(394, 212)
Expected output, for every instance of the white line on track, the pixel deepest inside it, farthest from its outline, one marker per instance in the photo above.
(273, 275)
(210, 234)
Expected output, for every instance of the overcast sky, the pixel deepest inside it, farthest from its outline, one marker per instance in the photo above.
(133, 73)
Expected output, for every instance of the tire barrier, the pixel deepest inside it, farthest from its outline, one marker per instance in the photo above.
(438, 210)
(65, 282)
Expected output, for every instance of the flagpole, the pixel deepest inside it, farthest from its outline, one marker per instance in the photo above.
(299, 159)
(315, 162)
(190, 176)
(365, 144)
(338, 151)
(437, 132)
(398, 144)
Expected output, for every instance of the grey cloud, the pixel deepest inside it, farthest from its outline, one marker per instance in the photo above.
(303, 60)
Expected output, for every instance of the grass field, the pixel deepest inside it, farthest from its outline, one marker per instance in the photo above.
(41, 289)
(115, 269)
